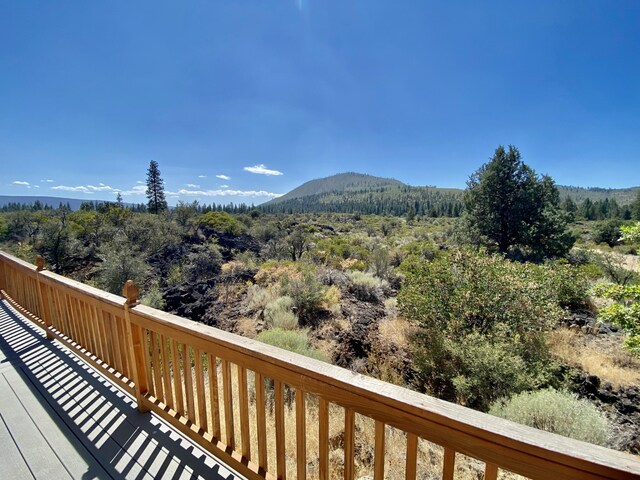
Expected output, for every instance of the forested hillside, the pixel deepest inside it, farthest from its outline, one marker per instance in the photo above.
(395, 200)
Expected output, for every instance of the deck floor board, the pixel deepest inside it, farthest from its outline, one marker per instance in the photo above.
(59, 418)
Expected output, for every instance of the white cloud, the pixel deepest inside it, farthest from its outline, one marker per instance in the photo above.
(20, 182)
(135, 190)
(47, 181)
(223, 177)
(192, 185)
(224, 186)
(85, 188)
(140, 182)
(262, 170)
(223, 193)
(202, 176)
(37, 186)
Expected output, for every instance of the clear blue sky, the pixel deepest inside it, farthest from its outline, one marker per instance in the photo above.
(420, 91)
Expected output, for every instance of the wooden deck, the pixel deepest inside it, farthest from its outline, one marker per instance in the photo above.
(59, 419)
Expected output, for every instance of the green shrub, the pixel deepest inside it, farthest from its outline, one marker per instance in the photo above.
(293, 340)
(624, 311)
(222, 222)
(203, 263)
(556, 412)
(608, 232)
(279, 314)
(568, 284)
(481, 320)
(120, 262)
(175, 276)
(258, 297)
(365, 286)
(306, 291)
(153, 297)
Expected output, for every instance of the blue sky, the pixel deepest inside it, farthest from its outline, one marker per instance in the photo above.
(241, 100)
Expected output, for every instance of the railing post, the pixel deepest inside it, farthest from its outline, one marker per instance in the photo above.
(3, 277)
(134, 345)
(43, 298)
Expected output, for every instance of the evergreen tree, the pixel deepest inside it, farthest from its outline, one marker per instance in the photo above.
(155, 189)
(635, 207)
(511, 206)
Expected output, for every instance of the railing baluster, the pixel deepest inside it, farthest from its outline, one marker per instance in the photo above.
(166, 372)
(349, 443)
(89, 322)
(227, 396)
(490, 471)
(146, 346)
(214, 401)
(188, 383)
(117, 352)
(157, 377)
(301, 434)
(243, 394)
(177, 377)
(202, 409)
(378, 468)
(323, 439)
(411, 468)
(124, 347)
(261, 422)
(449, 465)
(281, 464)
(94, 306)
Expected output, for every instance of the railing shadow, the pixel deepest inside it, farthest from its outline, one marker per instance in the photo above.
(99, 420)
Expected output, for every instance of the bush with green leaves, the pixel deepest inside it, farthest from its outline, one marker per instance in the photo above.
(279, 314)
(121, 261)
(153, 297)
(203, 262)
(631, 233)
(365, 286)
(481, 322)
(623, 311)
(222, 222)
(305, 289)
(258, 297)
(557, 412)
(296, 341)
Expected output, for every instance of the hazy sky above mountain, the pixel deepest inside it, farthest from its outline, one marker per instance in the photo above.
(239, 100)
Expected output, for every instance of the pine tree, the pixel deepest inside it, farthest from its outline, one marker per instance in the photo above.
(155, 189)
(510, 205)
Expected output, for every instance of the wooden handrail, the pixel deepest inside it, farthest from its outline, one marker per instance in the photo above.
(187, 373)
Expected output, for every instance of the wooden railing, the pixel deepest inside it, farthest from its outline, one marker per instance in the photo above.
(231, 394)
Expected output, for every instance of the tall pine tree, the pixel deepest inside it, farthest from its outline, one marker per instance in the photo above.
(507, 203)
(155, 189)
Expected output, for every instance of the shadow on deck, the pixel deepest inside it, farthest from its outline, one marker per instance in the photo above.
(59, 418)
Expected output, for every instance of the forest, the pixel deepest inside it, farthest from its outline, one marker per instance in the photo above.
(530, 312)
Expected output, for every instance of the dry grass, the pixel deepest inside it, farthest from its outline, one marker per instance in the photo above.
(248, 327)
(606, 360)
(395, 330)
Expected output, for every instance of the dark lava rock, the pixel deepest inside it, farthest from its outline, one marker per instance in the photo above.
(619, 404)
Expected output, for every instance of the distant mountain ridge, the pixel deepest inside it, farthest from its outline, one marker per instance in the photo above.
(359, 193)
(342, 182)
(54, 202)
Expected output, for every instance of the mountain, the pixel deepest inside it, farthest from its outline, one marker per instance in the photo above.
(624, 196)
(366, 194)
(342, 182)
(74, 203)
